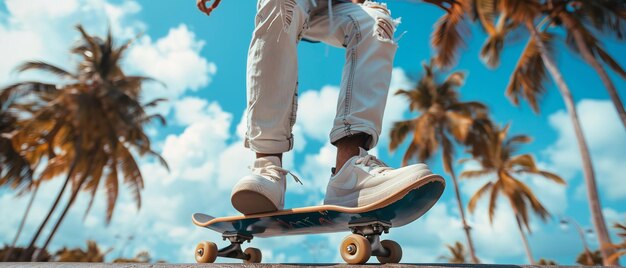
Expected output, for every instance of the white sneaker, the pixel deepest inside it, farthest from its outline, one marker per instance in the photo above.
(264, 189)
(364, 180)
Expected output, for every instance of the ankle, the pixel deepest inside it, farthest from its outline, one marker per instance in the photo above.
(349, 147)
(261, 155)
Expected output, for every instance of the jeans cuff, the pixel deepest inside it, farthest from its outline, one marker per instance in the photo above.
(269, 146)
(343, 131)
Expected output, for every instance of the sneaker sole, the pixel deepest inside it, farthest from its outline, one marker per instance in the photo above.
(251, 202)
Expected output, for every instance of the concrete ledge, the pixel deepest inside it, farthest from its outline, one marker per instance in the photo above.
(220, 265)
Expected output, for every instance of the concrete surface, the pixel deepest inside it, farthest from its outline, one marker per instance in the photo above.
(220, 265)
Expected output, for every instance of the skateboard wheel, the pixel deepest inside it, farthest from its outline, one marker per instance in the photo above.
(255, 255)
(395, 252)
(206, 252)
(355, 249)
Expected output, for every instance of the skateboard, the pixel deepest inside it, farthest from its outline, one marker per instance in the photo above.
(367, 224)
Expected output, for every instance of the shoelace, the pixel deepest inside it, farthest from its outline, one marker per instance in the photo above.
(283, 171)
(377, 165)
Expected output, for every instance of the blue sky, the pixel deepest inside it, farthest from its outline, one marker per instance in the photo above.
(202, 60)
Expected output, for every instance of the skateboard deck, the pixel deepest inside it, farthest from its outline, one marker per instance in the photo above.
(398, 209)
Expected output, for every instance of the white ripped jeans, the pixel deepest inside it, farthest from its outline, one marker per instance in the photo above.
(365, 30)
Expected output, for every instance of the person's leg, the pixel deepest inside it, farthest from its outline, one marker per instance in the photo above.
(366, 31)
(272, 101)
(272, 75)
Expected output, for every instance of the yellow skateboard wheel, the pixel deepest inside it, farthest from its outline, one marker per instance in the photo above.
(206, 252)
(355, 249)
(255, 255)
(395, 252)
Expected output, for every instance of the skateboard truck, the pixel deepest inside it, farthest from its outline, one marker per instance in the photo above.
(371, 229)
(234, 249)
(206, 252)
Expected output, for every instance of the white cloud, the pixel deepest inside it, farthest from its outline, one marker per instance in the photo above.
(174, 60)
(316, 112)
(24, 9)
(189, 110)
(193, 155)
(316, 170)
(612, 216)
(396, 105)
(606, 139)
(44, 31)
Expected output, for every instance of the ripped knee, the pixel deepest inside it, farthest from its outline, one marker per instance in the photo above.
(385, 26)
(277, 12)
(288, 9)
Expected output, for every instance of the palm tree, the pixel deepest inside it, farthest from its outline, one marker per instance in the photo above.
(589, 258)
(499, 160)
(99, 98)
(536, 61)
(443, 119)
(12, 254)
(576, 17)
(457, 253)
(529, 11)
(543, 261)
(91, 254)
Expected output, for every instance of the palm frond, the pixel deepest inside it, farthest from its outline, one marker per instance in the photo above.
(535, 204)
(486, 11)
(409, 154)
(493, 199)
(553, 177)
(520, 11)
(530, 74)
(450, 31)
(46, 67)
(398, 133)
(458, 125)
(112, 191)
(132, 173)
(474, 174)
(478, 195)
(425, 137)
(492, 49)
(526, 161)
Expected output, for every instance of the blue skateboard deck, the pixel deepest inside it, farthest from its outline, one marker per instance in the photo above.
(401, 208)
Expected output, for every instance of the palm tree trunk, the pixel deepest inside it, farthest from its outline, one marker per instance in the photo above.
(466, 227)
(586, 53)
(27, 253)
(447, 161)
(22, 223)
(592, 189)
(67, 207)
(529, 254)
